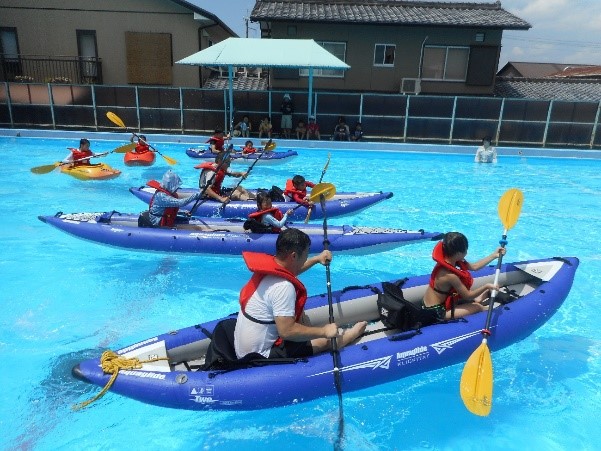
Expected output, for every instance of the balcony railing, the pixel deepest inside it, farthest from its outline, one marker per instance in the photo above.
(55, 69)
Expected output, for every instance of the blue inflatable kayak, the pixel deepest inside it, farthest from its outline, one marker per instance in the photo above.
(341, 204)
(224, 236)
(272, 157)
(538, 289)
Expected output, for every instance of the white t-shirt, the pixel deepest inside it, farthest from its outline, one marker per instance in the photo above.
(274, 297)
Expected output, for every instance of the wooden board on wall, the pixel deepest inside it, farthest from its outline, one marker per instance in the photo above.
(149, 58)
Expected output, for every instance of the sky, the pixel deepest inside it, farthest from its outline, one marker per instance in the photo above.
(563, 31)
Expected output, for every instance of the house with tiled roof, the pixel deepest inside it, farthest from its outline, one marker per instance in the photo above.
(110, 41)
(524, 69)
(393, 45)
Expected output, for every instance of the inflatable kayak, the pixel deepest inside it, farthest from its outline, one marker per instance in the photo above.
(340, 205)
(99, 171)
(139, 159)
(224, 236)
(534, 291)
(238, 157)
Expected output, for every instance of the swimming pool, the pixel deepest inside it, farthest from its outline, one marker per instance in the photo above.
(65, 300)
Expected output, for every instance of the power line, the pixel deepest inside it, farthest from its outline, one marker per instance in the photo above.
(563, 42)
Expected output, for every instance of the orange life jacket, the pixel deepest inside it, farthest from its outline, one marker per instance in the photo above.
(297, 195)
(170, 213)
(274, 211)
(78, 154)
(218, 179)
(462, 272)
(262, 265)
(248, 150)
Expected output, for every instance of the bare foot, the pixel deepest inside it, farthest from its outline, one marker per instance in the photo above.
(353, 333)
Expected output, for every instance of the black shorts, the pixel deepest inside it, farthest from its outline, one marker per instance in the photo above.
(291, 349)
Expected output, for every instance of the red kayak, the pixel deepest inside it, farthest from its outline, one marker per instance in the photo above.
(139, 159)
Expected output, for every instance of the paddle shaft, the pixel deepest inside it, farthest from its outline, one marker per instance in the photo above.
(493, 295)
(333, 341)
(200, 200)
(323, 172)
(240, 182)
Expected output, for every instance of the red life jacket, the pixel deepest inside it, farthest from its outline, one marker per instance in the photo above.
(262, 265)
(218, 179)
(248, 150)
(170, 213)
(274, 211)
(217, 141)
(297, 195)
(78, 154)
(142, 148)
(462, 272)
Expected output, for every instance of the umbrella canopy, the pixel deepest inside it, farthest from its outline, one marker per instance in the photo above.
(290, 53)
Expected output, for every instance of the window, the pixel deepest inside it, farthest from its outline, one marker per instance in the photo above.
(384, 54)
(445, 63)
(9, 47)
(338, 49)
(88, 54)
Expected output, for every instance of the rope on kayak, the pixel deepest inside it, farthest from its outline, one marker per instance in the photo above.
(111, 363)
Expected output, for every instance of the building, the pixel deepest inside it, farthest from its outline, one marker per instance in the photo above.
(109, 41)
(395, 45)
(520, 69)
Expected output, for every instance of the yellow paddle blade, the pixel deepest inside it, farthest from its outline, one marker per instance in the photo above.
(45, 169)
(169, 160)
(326, 189)
(510, 207)
(476, 382)
(115, 119)
(126, 148)
(269, 146)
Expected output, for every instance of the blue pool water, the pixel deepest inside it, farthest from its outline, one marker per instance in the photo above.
(65, 300)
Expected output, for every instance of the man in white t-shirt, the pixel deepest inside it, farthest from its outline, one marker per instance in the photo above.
(271, 321)
(486, 153)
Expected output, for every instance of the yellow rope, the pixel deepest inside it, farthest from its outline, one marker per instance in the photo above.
(111, 363)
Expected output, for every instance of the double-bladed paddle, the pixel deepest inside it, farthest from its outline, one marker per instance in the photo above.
(477, 377)
(323, 172)
(47, 168)
(119, 123)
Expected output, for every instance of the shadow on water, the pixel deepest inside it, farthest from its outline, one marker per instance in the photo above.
(57, 393)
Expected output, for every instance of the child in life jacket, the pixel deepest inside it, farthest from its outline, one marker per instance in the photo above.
(248, 148)
(80, 156)
(296, 190)
(451, 280)
(165, 203)
(270, 218)
(141, 146)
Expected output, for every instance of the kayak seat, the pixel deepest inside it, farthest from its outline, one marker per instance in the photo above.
(221, 354)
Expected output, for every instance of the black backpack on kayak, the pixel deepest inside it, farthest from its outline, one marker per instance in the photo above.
(398, 313)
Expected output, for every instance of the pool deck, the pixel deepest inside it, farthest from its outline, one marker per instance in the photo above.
(294, 144)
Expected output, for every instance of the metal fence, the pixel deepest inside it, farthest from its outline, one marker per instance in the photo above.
(393, 117)
(43, 69)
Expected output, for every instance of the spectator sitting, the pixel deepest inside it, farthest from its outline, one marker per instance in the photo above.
(265, 127)
(243, 128)
(357, 133)
(313, 129)
(301, 130)
(341, 131)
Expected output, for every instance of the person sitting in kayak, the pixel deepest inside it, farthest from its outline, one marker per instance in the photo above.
(248, 148)
(267, 218)
(216, 142)
(82, 155)
(271, 320)
(141, 146)
(451, 281)
(165, 203)
(296, 190)
(211, 179)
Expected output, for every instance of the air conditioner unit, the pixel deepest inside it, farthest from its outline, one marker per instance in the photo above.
(411, 86)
